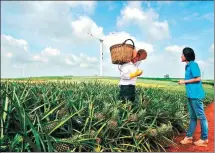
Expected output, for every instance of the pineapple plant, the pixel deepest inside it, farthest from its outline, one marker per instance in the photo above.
(61, 147)
(92, 133)
(137, 116)
(146, 101)
(51, 125)
(164, 128)
(104, 98)
(63, 112)
(99, 116)
(112, 123)
(152, 132)
(133, 118)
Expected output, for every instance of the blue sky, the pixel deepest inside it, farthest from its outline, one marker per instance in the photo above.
(50, 38)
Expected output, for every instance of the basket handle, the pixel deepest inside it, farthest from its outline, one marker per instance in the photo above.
(127, 40)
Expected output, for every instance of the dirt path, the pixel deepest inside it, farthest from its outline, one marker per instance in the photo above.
(209, 111)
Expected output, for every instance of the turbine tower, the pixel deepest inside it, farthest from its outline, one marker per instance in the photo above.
(101, 51)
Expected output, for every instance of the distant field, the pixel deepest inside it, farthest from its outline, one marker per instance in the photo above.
(169, 84)
(96, 77)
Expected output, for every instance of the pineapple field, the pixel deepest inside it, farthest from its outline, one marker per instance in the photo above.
(88, 116)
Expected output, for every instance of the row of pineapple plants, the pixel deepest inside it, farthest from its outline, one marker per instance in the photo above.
(89, 117)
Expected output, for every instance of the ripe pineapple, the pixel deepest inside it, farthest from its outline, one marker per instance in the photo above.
(62, 112)
(112, 123)
(92, 133)
(165, 129)
(152, 132)
(99, 116)
(133, 118)
(146, 101)
(47, 128)
(61, 147)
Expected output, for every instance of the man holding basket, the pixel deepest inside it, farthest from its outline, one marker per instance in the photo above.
(129, 73)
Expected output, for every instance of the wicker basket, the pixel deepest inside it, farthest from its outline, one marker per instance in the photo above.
(122, 53)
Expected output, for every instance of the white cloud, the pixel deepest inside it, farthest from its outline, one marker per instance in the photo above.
(87, 59)
(14, 42)
(147, 20)
(50, 20)
(159, 64)
(15, 49)
(211, 61)
(48, 59)
(9, 54)
(51, 52)
(51, 61)
(202, 64)
(84, 65)
(212, 48)
(207, 68)
(36, 58)
(85, 25)
(174, 48)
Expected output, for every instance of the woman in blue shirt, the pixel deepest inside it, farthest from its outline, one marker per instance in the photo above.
(195, 94)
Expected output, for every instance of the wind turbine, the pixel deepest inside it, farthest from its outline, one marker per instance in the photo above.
(101, 50)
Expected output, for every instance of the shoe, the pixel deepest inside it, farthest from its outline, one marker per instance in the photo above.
(202, 143)
(187, 140)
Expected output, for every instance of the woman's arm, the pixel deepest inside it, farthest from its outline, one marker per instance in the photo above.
(190, 81)
(195, 71)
